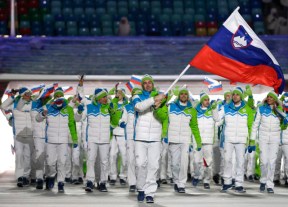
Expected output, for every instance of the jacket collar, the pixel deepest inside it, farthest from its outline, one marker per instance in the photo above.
(177, 102)
(232, 106)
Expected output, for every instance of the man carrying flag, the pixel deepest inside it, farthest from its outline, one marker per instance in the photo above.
(148, 130)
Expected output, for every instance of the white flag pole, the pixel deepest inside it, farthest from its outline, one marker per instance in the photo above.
(171, 86)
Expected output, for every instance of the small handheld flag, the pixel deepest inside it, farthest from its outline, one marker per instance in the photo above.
(47, 91)
(130, 86)
(215, 87)
(67, 89)
(36, 89)
(209, 81)
(136, 80)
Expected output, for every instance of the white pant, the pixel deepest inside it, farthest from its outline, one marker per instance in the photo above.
(221, 172)
(199, 167)
(278, 167)
(131, 162)
(229, 149)
(68, 163)
(98, 168)
(179, 162)
(216, 159)
(23, 152)
(77, 162)
(285, 152)
(147, 166)
(191, 161)
(268, 156)
(40, 155)
(250, 163)
(93, 149)
(56, 154)
(118, 143)
(165, 162)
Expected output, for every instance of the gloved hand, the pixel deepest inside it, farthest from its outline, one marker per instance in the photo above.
(122, 124)
(251, 146)
(165, 140)
(80, 108)
(251, 149)
(75, 146)
(176, 90)
(198, 149)
(213, 104)
(248, 90)
(112, 91)
(285, 121)
(154, 93)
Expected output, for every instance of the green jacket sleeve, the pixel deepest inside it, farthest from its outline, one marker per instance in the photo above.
(115, 113)
(161, 113)
(250, 102)
(251, 114)
(194, 128)
(165, 128)
(72, 125)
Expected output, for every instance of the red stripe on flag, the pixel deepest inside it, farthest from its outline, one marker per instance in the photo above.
(212, 62)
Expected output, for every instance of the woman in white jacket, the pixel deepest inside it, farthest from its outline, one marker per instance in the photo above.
(22, 127)
(268, 124)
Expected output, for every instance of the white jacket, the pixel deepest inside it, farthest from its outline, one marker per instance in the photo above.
(98, 123)
(206, 124)
(22, 125)
(58, 124)
(284, 137)
(268, 125)
(238, 122)
(147, 127)
(128, 119)
(37, 127)
(179, 130)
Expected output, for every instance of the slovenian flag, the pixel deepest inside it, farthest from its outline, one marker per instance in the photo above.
(235, 52)
(8, 92)
(36, 89)
(130, 86)
(215, 87)
(208, 81)
(67, 89)
(47, 91)
(136, 80)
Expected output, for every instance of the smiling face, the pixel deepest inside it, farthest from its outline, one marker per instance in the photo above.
(148, 85)
(183, 97)
(236, 98)
(206, 102)
(120, 95)
(103, 100)
(270, 100)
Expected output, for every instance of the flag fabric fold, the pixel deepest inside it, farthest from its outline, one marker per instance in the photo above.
(136, 80)
(130, 86)
(36, 89)
(235, 52)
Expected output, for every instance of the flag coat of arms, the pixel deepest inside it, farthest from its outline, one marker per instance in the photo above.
(235, 52)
